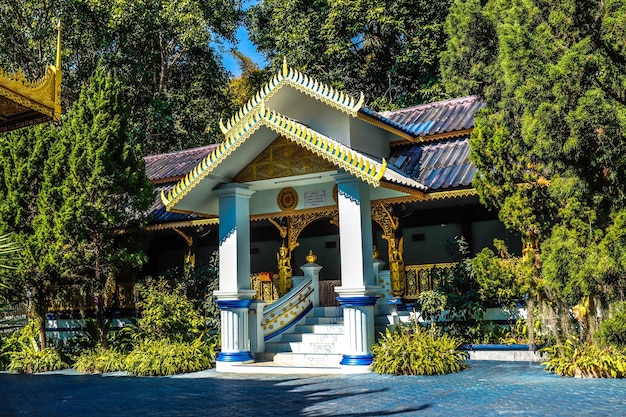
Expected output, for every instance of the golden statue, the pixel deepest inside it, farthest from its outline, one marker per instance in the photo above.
(396, 266)
(284, 270)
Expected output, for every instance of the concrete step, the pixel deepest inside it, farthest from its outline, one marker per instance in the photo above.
(275, 347)
(323, 320)
(327, 312)
(319, 328)
(325, 348)
(307, 359)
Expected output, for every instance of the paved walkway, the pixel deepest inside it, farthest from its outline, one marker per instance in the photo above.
(487, 389)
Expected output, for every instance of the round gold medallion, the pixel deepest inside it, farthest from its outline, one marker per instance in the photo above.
(287, 199)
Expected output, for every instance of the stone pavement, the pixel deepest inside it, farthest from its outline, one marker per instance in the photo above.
(486, 389)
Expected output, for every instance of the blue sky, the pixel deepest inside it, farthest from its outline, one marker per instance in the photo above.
(246, 47)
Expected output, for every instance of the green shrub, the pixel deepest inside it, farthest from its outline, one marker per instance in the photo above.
(613, 331)
(167, 313)
(100, 361)
(165, 357)
(8, 344)
(585, 360)
(417, 352)
(30, 360)
(26, 356)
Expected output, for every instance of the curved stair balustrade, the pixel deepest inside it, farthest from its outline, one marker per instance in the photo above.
(288, 310)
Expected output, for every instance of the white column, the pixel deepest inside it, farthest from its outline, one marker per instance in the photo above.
(234, 295)
(358, 318)
(355, 237)
(234, 244)
(358, 291)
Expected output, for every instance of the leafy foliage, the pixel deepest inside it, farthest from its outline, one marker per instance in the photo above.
(166, 53)
(165, 357)
(32, 359)
(167, 313)
(431, 304)
(414, 351)
(386, 49)
(100, 361)
(586, 360)
(105, 189)
(23, 153)
(549, 146)
(464, 300)
(612, 331)
(25, 354)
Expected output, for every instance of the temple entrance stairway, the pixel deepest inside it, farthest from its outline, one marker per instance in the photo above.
(311, 346)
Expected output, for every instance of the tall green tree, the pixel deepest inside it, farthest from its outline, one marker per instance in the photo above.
(104, 191)
(23, 155)
(550, 146)
(389, 50)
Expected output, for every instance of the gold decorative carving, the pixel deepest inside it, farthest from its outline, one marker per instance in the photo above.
(287, 199)
(424, 277)
(387, 222)
(283, 158)
(300, 82)
(263, 284)
(468, 192)
(189, 223)
(386, 127)
(300, 222)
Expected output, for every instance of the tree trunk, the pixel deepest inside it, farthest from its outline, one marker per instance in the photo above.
(37, 312)
(530, 322)
(102, 337)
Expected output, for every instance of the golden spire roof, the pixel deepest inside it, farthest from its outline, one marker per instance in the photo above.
(24, 102)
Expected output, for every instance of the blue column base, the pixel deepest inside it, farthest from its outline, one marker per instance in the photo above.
(357, 360)
(234, 357)
(359, 301)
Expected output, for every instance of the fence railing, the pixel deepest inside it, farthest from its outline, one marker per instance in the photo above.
(76, 297)
(425, 277)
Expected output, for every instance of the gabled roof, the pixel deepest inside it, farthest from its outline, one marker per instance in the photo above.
(164, 170)
(24, 103)
(171, 167)
(441, 165)
(366, 168)
(449, 116)
(294, 78)
(416, 167)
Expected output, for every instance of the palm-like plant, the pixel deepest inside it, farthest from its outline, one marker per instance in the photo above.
(10, 252)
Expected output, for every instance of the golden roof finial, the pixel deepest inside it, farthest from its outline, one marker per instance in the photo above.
(285, 67)
(58, 63)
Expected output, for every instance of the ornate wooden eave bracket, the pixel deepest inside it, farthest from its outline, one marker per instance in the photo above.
(298, 220)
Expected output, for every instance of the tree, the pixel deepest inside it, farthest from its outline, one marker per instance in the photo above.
(23, 155)
(105, 193)
(550, 146)
(386, 49)
(251, 80)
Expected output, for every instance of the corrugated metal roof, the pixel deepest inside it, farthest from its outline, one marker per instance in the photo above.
(436, 165)
(160, 215)
(439, 117)
(175, 164)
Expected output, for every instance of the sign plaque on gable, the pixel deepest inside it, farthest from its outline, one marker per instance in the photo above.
(315, 199)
